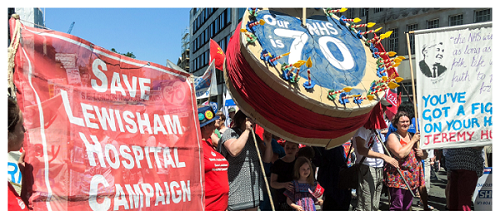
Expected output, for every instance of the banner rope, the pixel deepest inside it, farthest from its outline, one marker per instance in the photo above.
(11, 54)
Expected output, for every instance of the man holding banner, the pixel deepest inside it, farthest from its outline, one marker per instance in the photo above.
(456, 107)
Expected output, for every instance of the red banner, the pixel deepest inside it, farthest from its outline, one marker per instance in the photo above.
(106, 132)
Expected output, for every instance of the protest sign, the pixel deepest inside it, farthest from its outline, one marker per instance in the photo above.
(454, 74)
(483, 194)
(105, 132)
(206, 85)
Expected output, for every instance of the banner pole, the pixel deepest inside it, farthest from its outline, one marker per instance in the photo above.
(263, 171)
(11, 54)
(412, 81)
(399, 171)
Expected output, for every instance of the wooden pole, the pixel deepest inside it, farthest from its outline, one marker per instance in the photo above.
(399, 171)
(412, 80)
(304, 16)
(263, 171)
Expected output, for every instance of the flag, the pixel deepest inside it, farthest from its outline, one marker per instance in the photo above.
(206, 84)
(217, 55)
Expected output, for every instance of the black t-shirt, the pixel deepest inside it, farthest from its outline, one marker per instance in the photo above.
(284, 171)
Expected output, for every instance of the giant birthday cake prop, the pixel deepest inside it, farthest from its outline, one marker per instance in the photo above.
(312, 81)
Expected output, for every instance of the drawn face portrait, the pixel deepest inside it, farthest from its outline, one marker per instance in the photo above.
(434, 54)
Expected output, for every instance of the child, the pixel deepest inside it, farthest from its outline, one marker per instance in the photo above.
(282, 175)
(306, 191)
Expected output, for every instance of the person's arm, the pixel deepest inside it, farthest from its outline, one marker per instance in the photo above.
(280, 185)
(215, 139)
(267, 147)
(362, 150)
(397, 149)
(422, 154)
(293, 205)
(235, 146)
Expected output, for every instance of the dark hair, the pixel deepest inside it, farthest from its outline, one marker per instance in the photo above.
(14, 118)
(398, 115)
(307, 152)
(221, 115)
(408, 108)
(238, 119)
(296, 169)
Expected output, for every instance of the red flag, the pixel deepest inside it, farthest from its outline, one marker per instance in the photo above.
(216, 54)
(376, 119)
(391, 97)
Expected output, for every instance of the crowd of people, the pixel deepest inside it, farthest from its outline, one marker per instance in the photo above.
(245, 166)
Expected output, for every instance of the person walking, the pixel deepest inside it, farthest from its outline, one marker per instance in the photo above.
(403, 146)
(244, 173)
(215, 165)
(465, 166)
(330, 163)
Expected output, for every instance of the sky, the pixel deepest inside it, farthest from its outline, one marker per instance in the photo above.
(151, 34)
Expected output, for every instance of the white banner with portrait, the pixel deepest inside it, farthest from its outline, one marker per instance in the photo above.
(454, 72)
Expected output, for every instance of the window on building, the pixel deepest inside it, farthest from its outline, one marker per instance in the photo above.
(377, 10)
(207, 34)
(412, 27)
(363, 12)
(195, 66)
(456, 20)
(220, 76)
(228, 16)
(207, 57)
(433, 23)
(241, 12)
(482, 15)
(350, 13)
(393, 40)
(222, 19)
(222, 44)
(217, 25)
(212, 26)
(202, 59)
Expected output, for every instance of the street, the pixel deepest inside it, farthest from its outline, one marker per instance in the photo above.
(437, 197)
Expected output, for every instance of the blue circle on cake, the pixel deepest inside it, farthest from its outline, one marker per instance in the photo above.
(338, 56)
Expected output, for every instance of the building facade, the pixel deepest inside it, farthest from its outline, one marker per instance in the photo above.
(219, 24)
(403, 20)
(211, 23)
(32, 17)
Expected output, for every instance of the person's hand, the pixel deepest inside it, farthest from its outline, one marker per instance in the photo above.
(267, 136)
(419, 152)
(248, 124)
(20, 162)
(297, 207)
(289, 186)
(416, 137)
(319, 202)
(392, 162)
